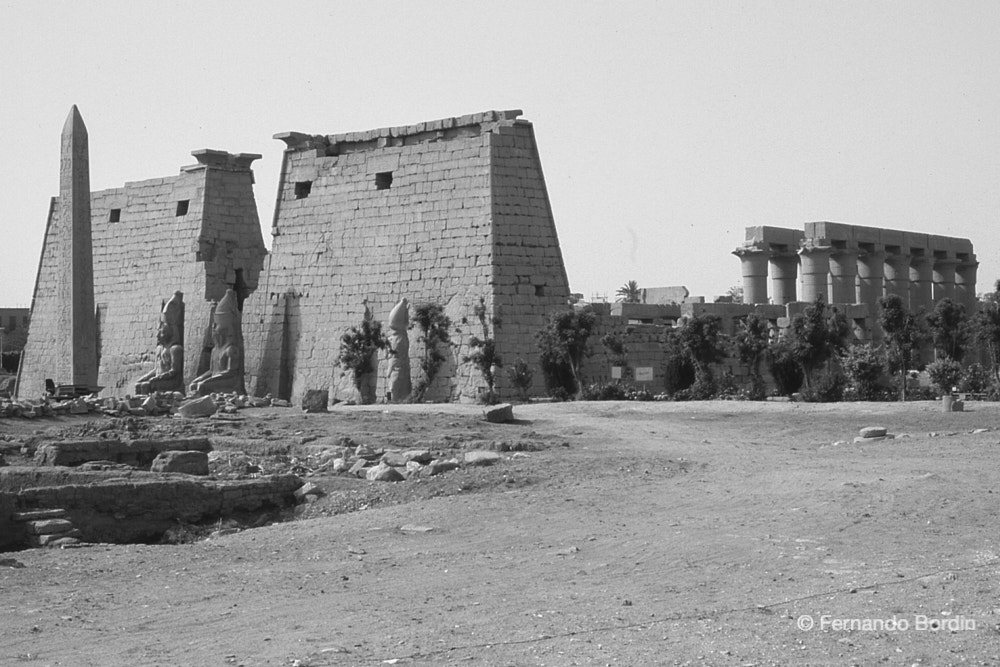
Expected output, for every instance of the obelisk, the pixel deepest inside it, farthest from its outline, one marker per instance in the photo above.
(77, 321)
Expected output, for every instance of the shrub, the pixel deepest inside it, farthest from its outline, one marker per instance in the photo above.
(945, 373)
(604, 391)
(976, 380)
(784, 368)
(433, 325)
(828, 388)
(484, 353)
(358, 348)
(520, 376)
(864, 366)
(678, 371)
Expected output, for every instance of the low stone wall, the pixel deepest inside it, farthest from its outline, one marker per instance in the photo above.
(138, 453)
(138, 506)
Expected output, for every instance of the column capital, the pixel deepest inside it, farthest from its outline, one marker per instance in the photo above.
(750, 251)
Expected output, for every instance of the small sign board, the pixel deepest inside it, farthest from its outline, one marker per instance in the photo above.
(643, 373)
(616, 372)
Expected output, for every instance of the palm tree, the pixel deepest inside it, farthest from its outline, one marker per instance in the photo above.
(629, 292)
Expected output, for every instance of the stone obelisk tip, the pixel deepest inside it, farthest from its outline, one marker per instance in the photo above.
(74, 122)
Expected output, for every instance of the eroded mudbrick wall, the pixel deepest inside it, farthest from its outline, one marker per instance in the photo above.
(450, 212)
(197, 232)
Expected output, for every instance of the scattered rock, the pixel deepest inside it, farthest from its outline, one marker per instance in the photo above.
(873, 431)
(308, 489)
(358, 469)
(439, 466)
(481, 458)
(418, 455)
(499, 414)
(367, 452)
(198, 407)
(396, 459)
(384, 473)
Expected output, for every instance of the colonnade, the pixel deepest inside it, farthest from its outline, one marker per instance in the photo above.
(863, 274)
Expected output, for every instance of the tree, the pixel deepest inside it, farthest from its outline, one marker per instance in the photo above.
(702, 340)
(358, 348)
(484, 354)
(816, 336)
(629, 292)
(735, 292)
(785, 370)
(903, 335)
(563, 346)
(986, 329)
(864, 365)
(433, 324)
(614, 343)
(750, 343)
(949, 329)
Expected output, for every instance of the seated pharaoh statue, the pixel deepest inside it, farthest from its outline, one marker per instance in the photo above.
(225, 373)
(168, 374)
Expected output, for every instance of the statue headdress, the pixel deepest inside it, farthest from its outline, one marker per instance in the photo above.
(227, 313)
(173, 316)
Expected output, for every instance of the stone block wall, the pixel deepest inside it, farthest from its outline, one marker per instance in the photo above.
(190, 232)
(142, 506)
(450, 212)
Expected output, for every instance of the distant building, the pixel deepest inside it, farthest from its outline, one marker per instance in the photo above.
(14, 319)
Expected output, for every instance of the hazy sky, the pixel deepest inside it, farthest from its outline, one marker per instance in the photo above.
(665, 128)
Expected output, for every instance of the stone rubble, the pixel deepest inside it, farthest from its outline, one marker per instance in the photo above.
(158, 403)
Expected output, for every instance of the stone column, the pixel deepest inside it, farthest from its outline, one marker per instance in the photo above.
(943, 277)
(871, 274)
(815, 271)
(921, 283)
(784, 273)
(753, 265)
(843, 276)
(897, 276)
(965, 285)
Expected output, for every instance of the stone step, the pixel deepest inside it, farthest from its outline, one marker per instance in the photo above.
(56, 540)
(35, 515)
(49, 526)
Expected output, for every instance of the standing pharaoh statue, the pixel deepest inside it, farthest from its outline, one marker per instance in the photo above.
(225, 373)
(400, 385)
(168, 374)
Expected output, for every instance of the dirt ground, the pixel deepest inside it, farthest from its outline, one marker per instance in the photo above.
(717, 533)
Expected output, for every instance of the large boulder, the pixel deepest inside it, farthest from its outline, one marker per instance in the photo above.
(198, 407)
(315, 400)
(499, 414)
(384, 473)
